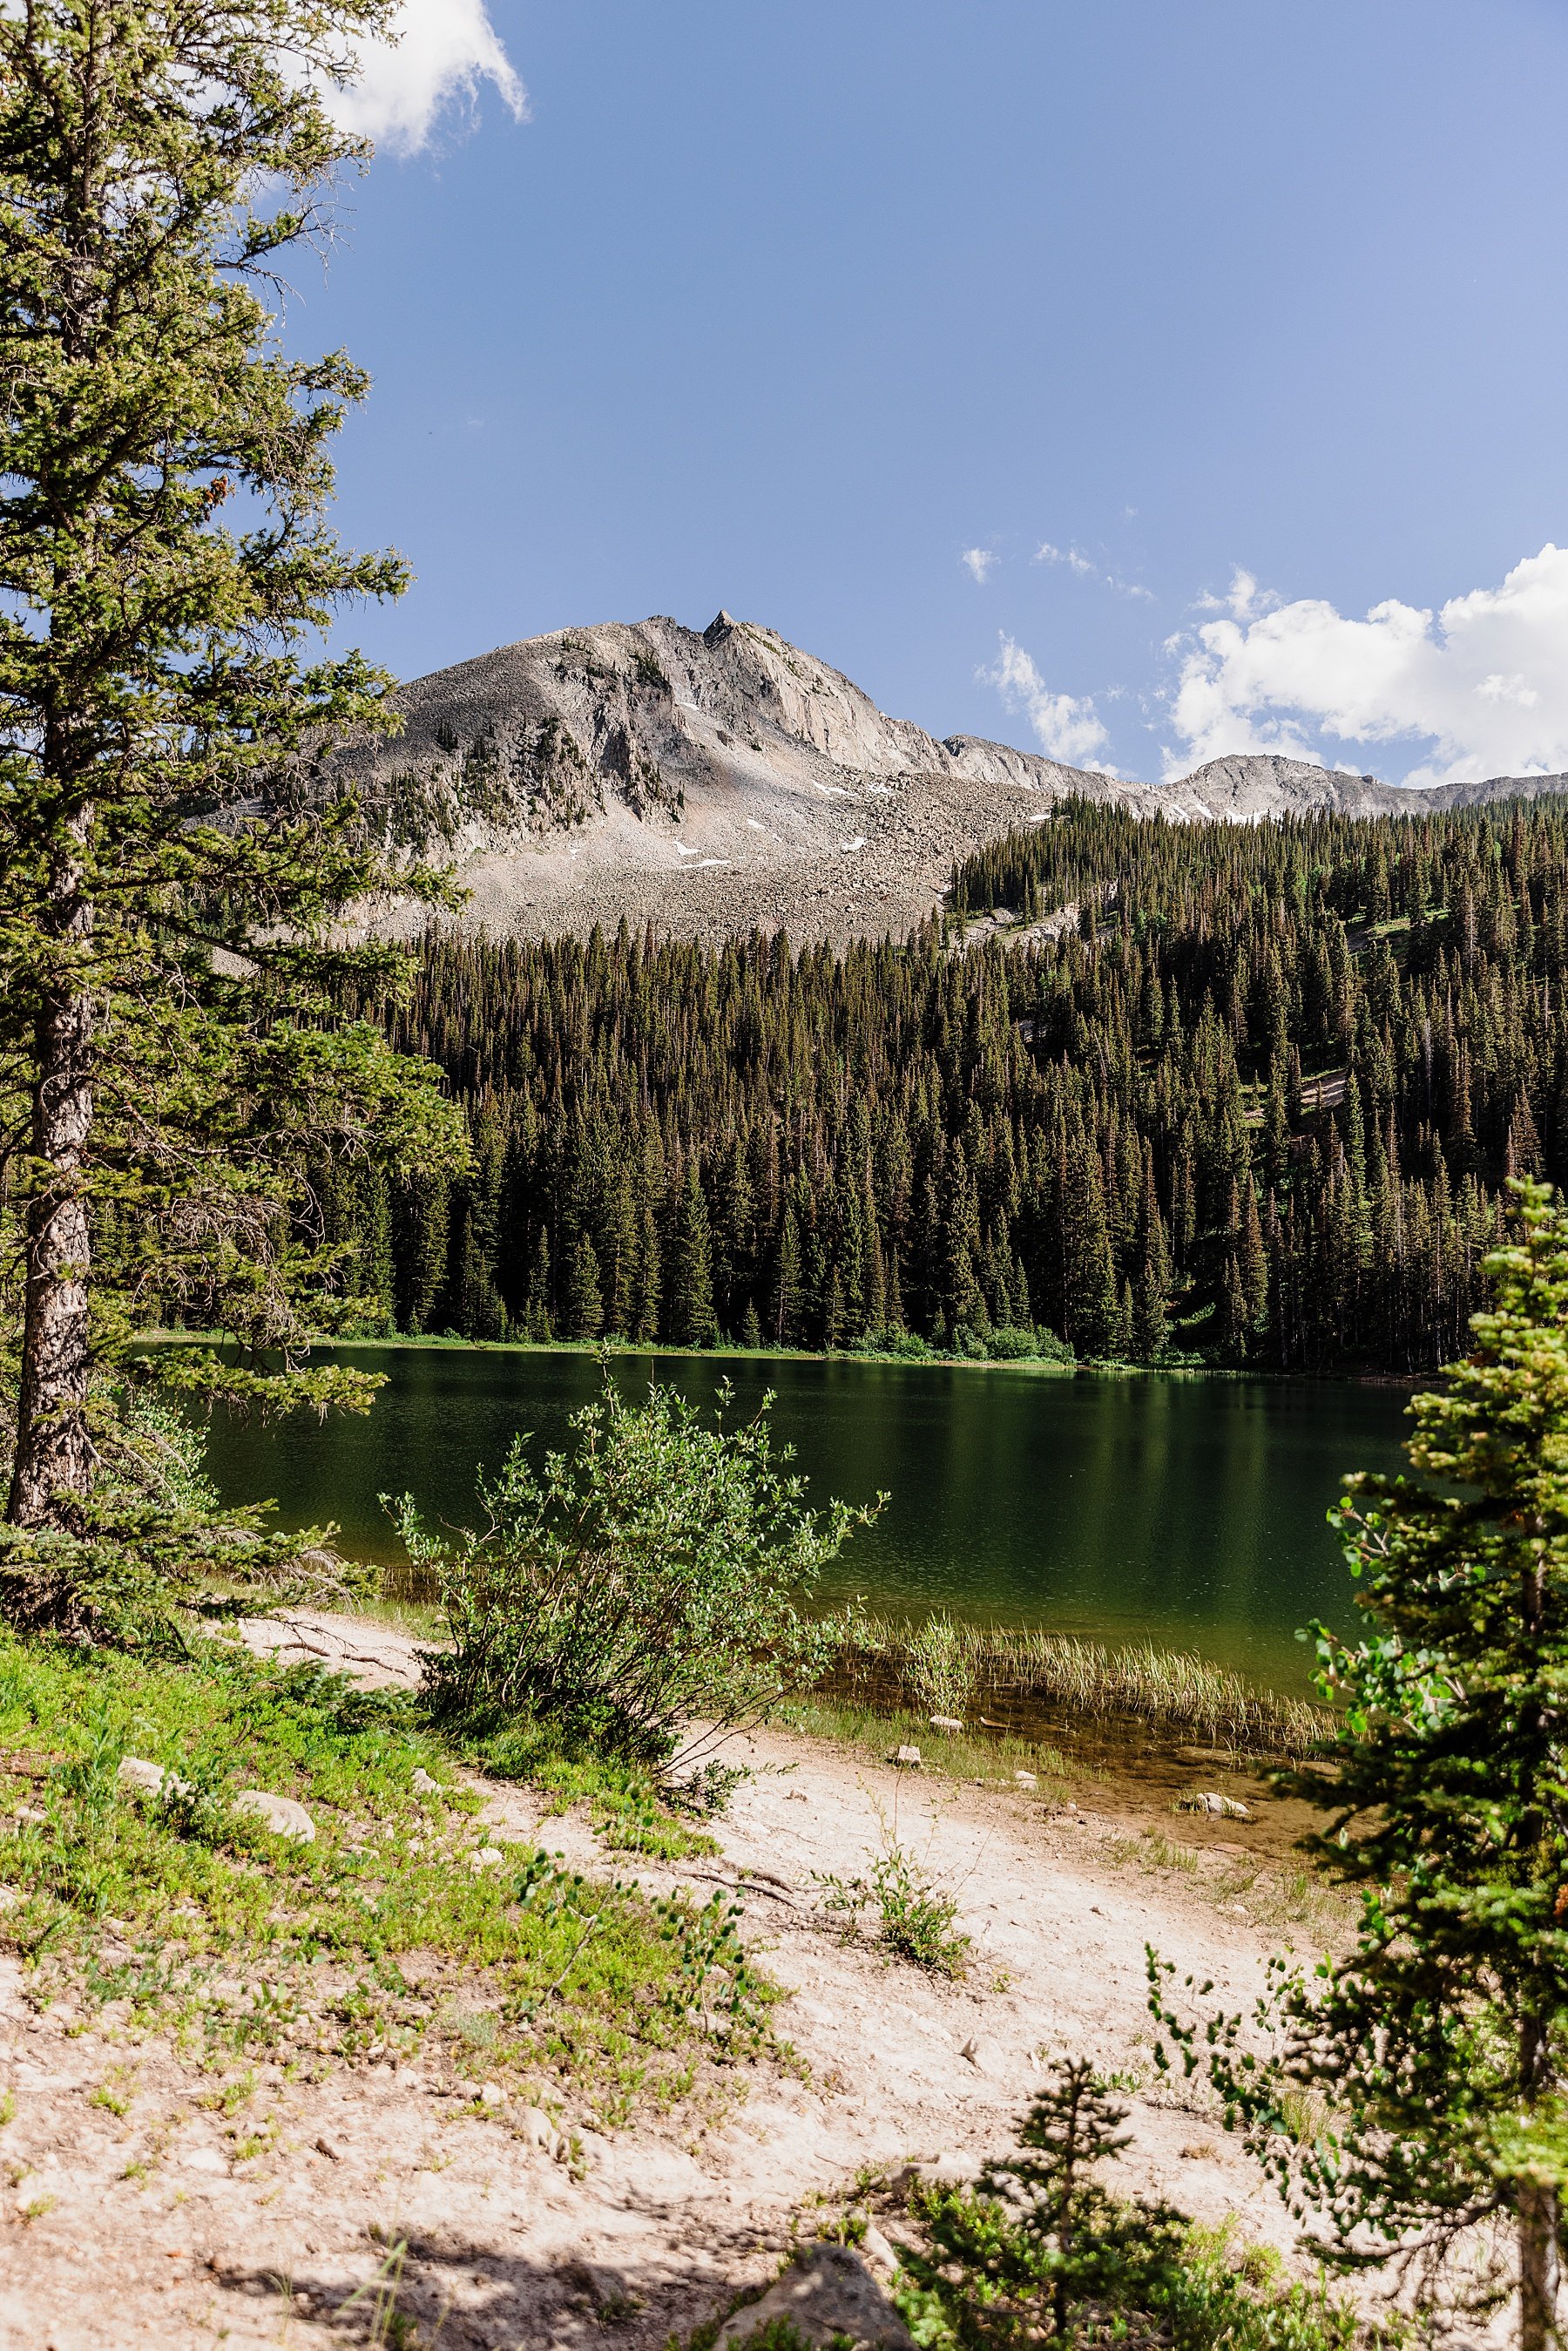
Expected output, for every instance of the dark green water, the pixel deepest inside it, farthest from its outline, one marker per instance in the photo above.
(1187, 1512)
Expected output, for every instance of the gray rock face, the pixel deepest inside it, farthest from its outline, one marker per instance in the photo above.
(711, 783)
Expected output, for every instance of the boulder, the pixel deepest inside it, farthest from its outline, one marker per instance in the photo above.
(537, 2131)
(951, 2168)
(1205, 1800)
(827, 2295)
(280, 1814)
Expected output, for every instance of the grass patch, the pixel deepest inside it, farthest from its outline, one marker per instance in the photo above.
(983, 1756)
(357, 1945)
(940, 1667)
(915, 1915)
(627, 1802)
(1153, 1852)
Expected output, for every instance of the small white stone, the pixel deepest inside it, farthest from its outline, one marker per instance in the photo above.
(537, 2129)
(908, 1757)
(986, 2057)
(486, 1857)
(946, 1722)
(490, 2094)
(135, 1771)
(422, 1784)
(876, 2249)
(1025, 1780)
(281, 1814)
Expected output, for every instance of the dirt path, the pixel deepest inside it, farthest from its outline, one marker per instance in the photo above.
(659, 2224)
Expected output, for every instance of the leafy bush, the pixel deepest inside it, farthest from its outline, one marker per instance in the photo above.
(652, 1576)
(1027, 1343)
(1021, 1342)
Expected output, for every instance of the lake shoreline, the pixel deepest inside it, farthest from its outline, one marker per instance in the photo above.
(1184, 1514)
(619, 1350)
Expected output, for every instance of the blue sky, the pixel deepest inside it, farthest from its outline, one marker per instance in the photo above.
(1254, 315)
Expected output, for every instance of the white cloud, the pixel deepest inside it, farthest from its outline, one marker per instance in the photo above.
(1067, 727)
(445, 50)
(979, 562)
(1046, 553)
(1481, 686)
(1245, 599)
(1076, 561)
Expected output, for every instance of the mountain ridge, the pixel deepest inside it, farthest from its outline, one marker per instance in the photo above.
(719, 781)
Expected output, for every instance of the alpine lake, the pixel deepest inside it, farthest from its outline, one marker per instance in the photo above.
(1184, 1511)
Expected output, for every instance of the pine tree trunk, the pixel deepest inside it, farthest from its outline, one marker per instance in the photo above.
(1539, 2267)
(55, 1457)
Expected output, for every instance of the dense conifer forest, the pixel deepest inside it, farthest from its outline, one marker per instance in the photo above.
(1243, 1094)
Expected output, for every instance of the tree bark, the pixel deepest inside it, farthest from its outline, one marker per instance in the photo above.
(55, 1458)
(1540, 2263)
(1539, 2267)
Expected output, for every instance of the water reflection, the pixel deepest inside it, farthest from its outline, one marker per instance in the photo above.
(1185, 1511)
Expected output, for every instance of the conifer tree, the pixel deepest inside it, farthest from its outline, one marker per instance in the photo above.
(782, 1314)
(1439, 2042)
(178, 860)
(584, 1311)
(689, 1306)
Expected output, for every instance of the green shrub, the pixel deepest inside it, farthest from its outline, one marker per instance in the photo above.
(652, 1576)
(1027, 1343)
(1043, 2250)
(915, 1915)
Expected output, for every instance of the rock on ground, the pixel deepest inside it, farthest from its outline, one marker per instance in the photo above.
(827, 2295)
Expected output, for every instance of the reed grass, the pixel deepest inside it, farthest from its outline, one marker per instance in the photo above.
(940, 1666)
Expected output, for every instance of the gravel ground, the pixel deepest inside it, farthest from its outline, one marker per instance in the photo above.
(151, 2225)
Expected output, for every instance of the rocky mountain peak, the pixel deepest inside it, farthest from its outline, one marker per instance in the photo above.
(713, 781)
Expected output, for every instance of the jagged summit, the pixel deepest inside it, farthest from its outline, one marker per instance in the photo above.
(719, 781)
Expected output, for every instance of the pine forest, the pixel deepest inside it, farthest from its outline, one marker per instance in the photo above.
(1149, 1092)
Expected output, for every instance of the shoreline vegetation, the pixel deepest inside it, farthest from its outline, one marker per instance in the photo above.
(1008, 1680)
(919, 1356)
(1006, 1684)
